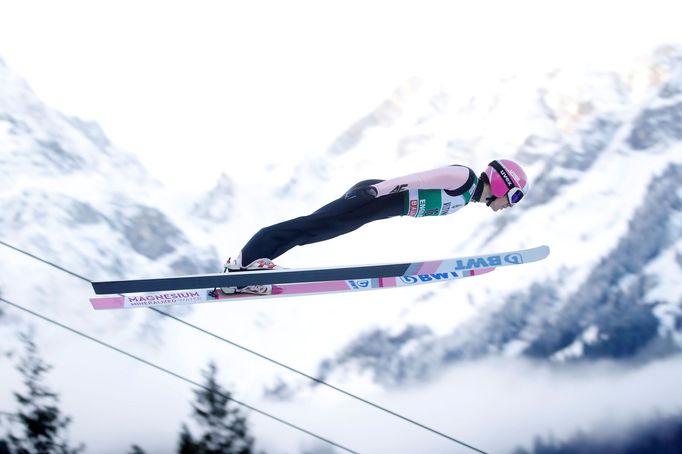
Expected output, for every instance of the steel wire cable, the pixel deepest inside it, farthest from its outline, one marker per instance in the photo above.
(174, 374)
(265, 357)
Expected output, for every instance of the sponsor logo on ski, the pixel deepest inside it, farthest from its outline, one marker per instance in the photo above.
(359, 284)
(164, 298)
(486, 262)
(427, 277)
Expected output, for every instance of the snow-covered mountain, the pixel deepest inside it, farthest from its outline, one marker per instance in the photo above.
(605, 197)
(77, 199)
(604, 149)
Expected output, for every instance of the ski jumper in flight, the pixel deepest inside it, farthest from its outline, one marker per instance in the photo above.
(436, 192)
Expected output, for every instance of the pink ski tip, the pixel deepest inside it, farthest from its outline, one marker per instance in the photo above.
(110, 302)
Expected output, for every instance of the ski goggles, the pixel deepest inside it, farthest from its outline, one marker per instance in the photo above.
(514, 195)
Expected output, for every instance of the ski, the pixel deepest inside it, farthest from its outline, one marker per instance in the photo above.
(344, 273)
(196, 296)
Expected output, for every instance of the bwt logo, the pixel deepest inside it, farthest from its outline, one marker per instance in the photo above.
(514, 258)
(360, 284)
(487, 262)
(428, 277)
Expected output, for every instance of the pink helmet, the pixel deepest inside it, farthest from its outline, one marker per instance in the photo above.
(507, 178)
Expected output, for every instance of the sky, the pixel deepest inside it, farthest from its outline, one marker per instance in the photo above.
(198, 88)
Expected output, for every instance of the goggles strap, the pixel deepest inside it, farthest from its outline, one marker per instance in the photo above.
(503, 174)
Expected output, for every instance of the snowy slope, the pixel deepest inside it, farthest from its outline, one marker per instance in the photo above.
(604, 198)
(597, 144)
(72, 197)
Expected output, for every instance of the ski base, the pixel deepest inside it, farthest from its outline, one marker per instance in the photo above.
(345, 273)
(196, 296)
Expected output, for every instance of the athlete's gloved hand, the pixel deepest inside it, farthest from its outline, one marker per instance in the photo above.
(364, 192)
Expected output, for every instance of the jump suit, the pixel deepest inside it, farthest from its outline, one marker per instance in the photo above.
(436, 192)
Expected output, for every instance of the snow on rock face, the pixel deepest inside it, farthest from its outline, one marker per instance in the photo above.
(218, 204)
(654, 126)
(73, 197)
(604, 187)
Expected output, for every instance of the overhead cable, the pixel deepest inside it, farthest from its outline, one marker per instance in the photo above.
(262, 356)
(174, 374)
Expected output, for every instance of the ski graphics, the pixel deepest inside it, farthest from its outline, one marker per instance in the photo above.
(185, 297)
(344, 273)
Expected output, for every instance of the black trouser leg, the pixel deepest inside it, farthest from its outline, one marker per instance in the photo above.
(336, 218)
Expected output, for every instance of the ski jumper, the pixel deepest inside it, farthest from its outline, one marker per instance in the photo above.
(436, 192)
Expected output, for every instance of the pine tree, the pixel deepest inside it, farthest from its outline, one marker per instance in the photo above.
(6, 418)
(43, 424)
(225, 430)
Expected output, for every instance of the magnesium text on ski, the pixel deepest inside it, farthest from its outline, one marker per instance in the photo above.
(177, 296)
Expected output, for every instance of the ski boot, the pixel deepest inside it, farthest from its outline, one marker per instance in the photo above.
(263, 264)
